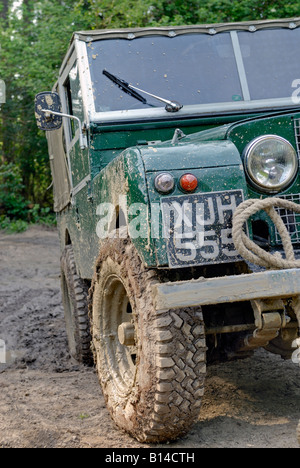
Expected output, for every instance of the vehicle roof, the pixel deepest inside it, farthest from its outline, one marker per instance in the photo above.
(131, 33)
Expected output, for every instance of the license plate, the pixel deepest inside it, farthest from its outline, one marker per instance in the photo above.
(198, 228)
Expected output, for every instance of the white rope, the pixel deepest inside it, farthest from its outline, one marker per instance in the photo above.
(251, 251)
(255, 254)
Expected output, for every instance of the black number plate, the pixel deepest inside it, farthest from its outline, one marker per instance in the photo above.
(198, 228)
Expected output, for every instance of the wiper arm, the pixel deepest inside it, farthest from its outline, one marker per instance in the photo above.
(171, 106)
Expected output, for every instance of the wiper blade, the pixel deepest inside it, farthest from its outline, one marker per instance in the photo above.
(125, 87)
(171, 106)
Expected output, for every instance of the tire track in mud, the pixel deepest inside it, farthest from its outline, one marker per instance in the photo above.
(30, 320)
(31, 317)
(47, 400)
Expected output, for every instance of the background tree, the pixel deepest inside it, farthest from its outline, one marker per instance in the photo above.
(34, 37)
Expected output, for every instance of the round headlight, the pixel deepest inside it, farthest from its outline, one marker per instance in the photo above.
(271, 163)
(164, 182)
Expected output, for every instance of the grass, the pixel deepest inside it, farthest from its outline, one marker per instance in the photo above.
(35, 215)
(15, 226)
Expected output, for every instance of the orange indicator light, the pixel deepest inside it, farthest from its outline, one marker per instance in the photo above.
(188, 182)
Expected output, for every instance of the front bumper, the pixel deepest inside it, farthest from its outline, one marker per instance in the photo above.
(263, 285)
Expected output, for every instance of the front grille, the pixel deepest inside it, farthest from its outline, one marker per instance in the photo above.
(297, 135)
(290, 219)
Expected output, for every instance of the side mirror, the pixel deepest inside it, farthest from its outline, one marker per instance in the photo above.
(49, 116)
(47, 106)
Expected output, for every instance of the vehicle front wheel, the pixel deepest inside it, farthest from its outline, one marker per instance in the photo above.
(151, 365)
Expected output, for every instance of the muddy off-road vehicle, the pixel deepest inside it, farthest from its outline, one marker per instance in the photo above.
(175, 161)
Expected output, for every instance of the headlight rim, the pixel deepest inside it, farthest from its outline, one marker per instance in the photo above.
(253, 181)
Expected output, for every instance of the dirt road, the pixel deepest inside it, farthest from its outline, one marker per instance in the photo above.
(47, 400)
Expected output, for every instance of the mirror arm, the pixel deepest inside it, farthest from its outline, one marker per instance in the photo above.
(82, 137)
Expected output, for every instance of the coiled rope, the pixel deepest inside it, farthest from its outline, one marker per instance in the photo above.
(255, 254)
(251, 251)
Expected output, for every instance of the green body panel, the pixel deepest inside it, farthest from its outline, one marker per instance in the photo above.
(244, 132)
(79, 164)
(124, 177)
(214, 179)
(117, 172)
(108, 141)
(75, 223)
(187, 155)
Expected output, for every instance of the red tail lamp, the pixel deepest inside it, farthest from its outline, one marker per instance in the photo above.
(188, 182)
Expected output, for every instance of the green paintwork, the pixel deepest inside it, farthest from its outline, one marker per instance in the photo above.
(123, 158)
(108, 141)
(187, 155)
(214, 155)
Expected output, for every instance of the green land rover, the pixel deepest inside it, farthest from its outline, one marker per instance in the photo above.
(175, 160)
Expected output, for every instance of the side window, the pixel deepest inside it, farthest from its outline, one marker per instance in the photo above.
(74, 98)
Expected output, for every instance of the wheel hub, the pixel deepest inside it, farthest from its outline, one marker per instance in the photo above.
(126, 334)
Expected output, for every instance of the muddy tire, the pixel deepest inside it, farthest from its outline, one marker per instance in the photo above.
(74, 297)
(154, 384)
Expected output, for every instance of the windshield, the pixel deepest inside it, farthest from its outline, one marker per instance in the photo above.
(196, 68)
(271, 60)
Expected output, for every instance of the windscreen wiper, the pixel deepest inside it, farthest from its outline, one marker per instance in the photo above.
(125, 87)
(171, 106)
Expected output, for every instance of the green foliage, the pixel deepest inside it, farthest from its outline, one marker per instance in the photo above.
(108, 14)
(135, 13)
(40, 215)
(213, 11)
(34, 37)
(12, 203)
(11, 227)
(16, 213)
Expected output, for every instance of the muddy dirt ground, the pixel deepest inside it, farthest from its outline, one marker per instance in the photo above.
(47, 400)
